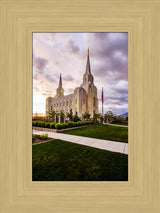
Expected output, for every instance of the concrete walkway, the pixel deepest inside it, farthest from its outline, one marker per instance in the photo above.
(93, 142)
(114, 125)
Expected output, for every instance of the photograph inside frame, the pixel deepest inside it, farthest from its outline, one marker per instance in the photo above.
(80, 107)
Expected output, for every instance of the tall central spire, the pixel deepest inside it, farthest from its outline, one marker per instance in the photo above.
(87, 77)
(60, 82)
(88, 69)
(60, 90)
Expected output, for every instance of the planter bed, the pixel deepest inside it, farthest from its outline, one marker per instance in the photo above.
(38, 140)
(55, 130)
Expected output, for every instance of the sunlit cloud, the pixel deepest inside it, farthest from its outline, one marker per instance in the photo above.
(66, 53)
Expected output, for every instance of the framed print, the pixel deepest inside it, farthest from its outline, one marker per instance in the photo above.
(80, 106)
(19, 21)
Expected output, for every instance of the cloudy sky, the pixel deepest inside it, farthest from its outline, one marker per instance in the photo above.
(66, 53)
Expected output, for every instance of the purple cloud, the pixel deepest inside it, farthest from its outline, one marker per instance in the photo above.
(66, 53)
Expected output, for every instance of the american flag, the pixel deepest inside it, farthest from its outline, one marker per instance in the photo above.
(102, 96)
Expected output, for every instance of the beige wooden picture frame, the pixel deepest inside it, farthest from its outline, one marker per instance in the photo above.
(19, 18)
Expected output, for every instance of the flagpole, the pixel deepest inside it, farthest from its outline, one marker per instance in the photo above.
(102, 105)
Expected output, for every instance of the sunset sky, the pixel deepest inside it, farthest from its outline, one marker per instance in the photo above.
(66, 53)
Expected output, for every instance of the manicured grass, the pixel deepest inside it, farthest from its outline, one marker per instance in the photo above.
(113, 133)
(59, 160)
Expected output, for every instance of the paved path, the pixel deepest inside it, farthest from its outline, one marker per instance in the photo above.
(93, 142)
(114, 125)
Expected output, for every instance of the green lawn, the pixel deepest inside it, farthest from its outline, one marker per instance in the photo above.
(59, 160)
(113, 133)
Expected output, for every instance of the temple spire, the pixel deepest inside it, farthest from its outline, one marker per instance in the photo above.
(60, 82)
(60, 90)
(88, 69)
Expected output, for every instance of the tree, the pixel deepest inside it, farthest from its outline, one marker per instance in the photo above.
(109, 116)
(86, 116)
(51, 113)
(96, 116)
(76, 118)
(70, 115)
(62, 116)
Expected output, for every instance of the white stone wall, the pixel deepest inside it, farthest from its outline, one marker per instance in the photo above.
(63, 103)
(79, 100)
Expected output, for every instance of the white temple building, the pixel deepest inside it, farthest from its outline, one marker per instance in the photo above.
(84, 99)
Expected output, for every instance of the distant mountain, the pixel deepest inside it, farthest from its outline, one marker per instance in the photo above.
(124, 115)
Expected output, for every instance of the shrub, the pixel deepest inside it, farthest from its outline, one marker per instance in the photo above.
(76, 118)
(64, 125)
(81, 123)
(35, 136)
(38, 122)
(34, 123)
(70, 124)
(47, 124)
(89, 122)
(78, 123)
(58, 126)
(52, 125)
(42, 123)
(44, 136)
(74, 124)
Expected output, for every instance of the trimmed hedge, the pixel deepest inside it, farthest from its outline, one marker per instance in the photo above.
(54, 125)
(47, 124)
(43, 136)
(70, 124)
(58, 126)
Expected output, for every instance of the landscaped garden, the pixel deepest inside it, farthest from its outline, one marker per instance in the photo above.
(54, 125)
(106, 132)
(40, 138)
(59, 160)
